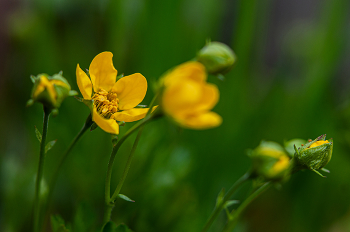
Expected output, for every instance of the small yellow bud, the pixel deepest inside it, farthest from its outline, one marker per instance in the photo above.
(270, 161)
(314, 155)
(218, 58)
(50, 91)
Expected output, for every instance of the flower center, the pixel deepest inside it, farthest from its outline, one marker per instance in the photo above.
(106, 103)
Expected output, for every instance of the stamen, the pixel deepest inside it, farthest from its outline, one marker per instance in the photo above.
(106, 103)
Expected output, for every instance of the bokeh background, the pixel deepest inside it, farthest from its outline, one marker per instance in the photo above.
(291, 80)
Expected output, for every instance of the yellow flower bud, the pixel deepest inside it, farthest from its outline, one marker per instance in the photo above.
(270, 161)
(50, 91)
(218, 58)
(314, 155)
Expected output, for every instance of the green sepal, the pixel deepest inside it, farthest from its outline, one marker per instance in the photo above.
(289, 146)
(122, 123)
(57, 224)
(141, 106)
(220, 197)
(72, 93)
(49, 145)
(90, 104)
(38, 134)
(80, 99)
(93, 126)
(32, 78)
(125, 198)
(229, 214)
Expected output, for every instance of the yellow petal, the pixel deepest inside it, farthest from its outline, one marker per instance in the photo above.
(201, 121)
(190, 70)
(84, 83)
(102, 72)
(108, 125)
(45, 84)
(209, 98)
(181, 97)
(131, 90)
(132, 114)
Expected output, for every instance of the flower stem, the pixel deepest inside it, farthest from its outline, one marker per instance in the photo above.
(39, 175)
(52, 184)
(140, 125)
(228, 195)
(232, 223)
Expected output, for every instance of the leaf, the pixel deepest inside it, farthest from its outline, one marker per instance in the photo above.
(122, 228)
(57, 224)
(38, 134)
(49, 145)
(122, 196)
(220, 197)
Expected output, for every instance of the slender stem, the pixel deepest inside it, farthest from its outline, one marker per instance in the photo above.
(108, 199)
(232, 223)
(53, 180)
(40, 170)
(86, 126)
(228, 195)
(114, 152)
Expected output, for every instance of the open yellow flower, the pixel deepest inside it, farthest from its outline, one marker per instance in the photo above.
(188, 98)
(112, 101)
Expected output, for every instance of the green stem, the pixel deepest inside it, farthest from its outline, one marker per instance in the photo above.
(232, 223)
(40, 170)
(228, 195)
(86, 126)
(108, 199)
(114, 152)
(52, 184)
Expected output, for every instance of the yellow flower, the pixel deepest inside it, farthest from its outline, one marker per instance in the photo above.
(187, 97)
(112, 101)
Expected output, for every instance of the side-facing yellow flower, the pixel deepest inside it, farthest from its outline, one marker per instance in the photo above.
(187, 97)
(112, 101)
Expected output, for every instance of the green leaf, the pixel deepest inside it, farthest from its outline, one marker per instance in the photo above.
(49, 145)
(38, 134)
(122, 196)
(220, 197)
(122, 228)
(79, 98)
(109, 227)
(57, 224)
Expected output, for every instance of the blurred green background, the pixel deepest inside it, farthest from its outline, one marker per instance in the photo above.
(291, 81)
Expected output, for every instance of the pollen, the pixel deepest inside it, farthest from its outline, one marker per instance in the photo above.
(106, 103)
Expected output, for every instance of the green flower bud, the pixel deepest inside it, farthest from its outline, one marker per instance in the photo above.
(50, 91)
(218, 58)
(314, 155)
(270, 161)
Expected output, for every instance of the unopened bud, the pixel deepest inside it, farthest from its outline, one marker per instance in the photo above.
(314, 155)
(218, 58)
(50, 91)
(270, 161)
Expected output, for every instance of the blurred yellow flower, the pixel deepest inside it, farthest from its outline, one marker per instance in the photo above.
(187, 97)
(112, 101)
